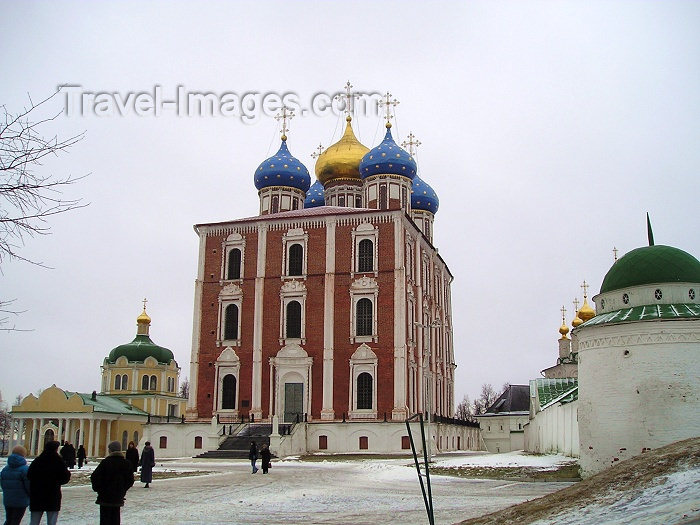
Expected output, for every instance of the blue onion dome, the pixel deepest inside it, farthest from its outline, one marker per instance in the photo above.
(423, 197)
(282, 169)
(315, 196)
(388, 158)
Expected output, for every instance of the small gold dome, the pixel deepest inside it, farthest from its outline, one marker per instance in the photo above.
(586, 312)
(577, 321)
(342, 159)
(563, 330)
(143, 318)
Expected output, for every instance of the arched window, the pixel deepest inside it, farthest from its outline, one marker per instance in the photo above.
(296, 259)
(365, 258)
(293, 319)
(118, 382)
(364, 317)
(154, 383)
(125, 436)
(234, 264)
(364, 391)
(144, 383)
(228, 393)
(231, 322)
(125, 382)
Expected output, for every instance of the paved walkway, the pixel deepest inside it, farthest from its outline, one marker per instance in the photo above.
(355, 493)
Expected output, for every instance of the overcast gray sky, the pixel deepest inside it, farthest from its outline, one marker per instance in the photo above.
(548, 130)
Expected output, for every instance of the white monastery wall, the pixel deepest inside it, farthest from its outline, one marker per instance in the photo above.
(554, 431)
(639, 389)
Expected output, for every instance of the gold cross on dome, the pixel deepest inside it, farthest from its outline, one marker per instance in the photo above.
(387, 103)
(349, 97)
(285, 115)
(320, 149)
(412, 143)
(585, 289)
(615, 252)
(576, 303)
(563, 313)
(144, 303)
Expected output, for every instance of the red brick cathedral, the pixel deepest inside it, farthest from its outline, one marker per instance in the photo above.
(332, 304)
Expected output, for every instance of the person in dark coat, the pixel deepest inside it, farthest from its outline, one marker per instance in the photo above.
(148, 461)
(68, 455)
(265, 458)
(82, 456)
(253, 456)
(111, 479)
(46, 474)
(15, 486)
(132, 456)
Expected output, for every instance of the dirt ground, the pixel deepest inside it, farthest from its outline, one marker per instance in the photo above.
(634, 474)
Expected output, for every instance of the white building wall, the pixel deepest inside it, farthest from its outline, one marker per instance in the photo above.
(639, 389)
(554, 431)
(503, 433)
(180, 439)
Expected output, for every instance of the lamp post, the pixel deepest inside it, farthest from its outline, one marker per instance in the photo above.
(428, 388)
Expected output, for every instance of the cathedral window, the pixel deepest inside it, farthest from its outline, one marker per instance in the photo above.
(293, 320)
(144, 383)
(364, 391)
(125, 382)
(118, 382)
(365, 261)
(296, 257)
(275, 204)
(231, 322)
(228, 392)
(154, 383)
(233, 270)
(363, 324)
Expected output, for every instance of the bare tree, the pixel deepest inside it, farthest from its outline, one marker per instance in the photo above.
(464, 410)
(5, 427)
(486, 398)
(185, 388)
(29, 196)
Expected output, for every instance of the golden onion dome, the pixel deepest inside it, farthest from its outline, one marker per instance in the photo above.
(577, 321)
(586, 312)
(342, 159)
(143, 318)
(563, 330)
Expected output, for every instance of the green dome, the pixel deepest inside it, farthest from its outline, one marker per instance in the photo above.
(139, 349)
(651, 265)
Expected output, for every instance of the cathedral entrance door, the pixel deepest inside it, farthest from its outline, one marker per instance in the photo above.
(293, 402)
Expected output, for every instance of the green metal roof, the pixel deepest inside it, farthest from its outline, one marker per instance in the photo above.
(553, 390)
(651, 265)
(109, 404)
(647, 313)
(139, 349)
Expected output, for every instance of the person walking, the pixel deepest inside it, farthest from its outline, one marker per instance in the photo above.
(253, 456)
(46, 474)
(132, 456)
(111, 479)
(148, 461)
(68, 455)
(15, 486)
(82, 456)
(265, 458)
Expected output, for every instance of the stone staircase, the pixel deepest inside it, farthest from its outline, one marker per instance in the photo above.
(238, 446)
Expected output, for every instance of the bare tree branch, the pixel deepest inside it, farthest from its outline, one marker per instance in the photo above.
(29, 197)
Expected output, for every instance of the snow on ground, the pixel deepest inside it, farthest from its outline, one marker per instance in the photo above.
(677, 500)
(517, 458)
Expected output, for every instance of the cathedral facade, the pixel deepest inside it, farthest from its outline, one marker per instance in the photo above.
(332, 305)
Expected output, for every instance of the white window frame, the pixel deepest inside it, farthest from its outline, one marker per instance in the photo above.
(364, 231)
(363, 360)
(235, 240)
(227, 363)
(294, 236)
(292, 291)
(363, 288)
(230, 294)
